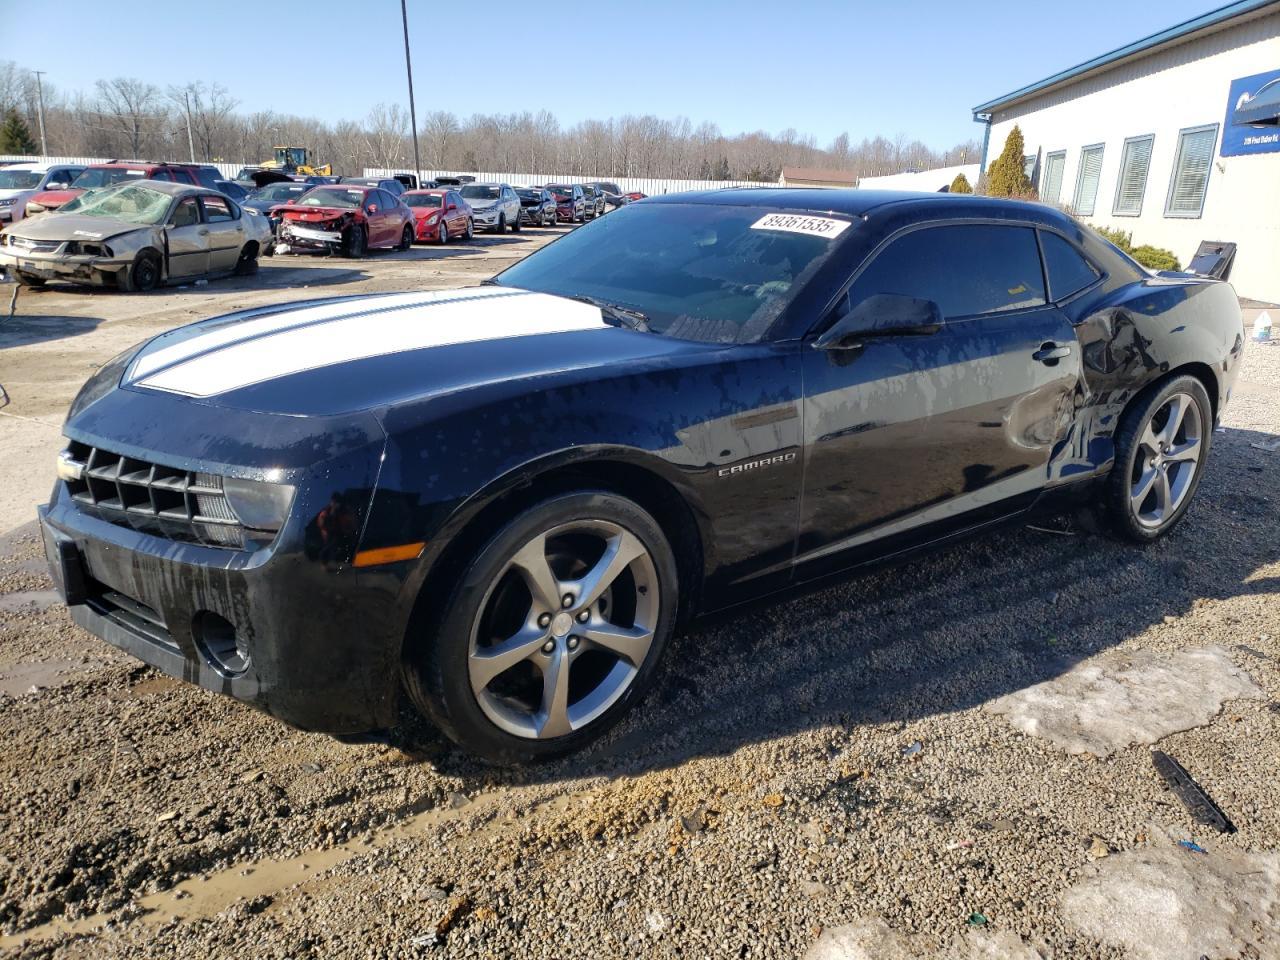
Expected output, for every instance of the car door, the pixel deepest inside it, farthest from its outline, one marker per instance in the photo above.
(456, 213)
(226, 232)
(187, 240)
(375, 211)
(911, 436)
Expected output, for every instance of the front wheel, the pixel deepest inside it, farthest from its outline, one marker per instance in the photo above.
(471, 230)
(144, 275)
(442, 234)
(1161, 448)
(501, 228)
(27, 280)
(551, 633)
(516, 225)
(356, 242)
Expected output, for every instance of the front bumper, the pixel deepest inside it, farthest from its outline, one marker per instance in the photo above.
(531, 214)
(292, 236)
(426, 231)
(55, 266)
(309, 631)
(485, 218)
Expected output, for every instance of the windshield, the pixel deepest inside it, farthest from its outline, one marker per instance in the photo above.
(19, 179)
(332, 198)
(529, 194)
(474, 191)
(104, 177)
(133, 202)
(560, 189)
(424, 200)
(280, 192)
(697, 271)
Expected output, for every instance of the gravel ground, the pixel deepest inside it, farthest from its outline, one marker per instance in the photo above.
(827, 776)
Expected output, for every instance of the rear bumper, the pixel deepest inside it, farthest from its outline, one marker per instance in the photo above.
(320, 642)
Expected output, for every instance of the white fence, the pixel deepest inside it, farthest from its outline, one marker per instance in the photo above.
(647, 185)
(228, 170)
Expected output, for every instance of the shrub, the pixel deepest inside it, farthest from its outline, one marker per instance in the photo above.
(1006, 176)
(1154, 258)
(961, 184)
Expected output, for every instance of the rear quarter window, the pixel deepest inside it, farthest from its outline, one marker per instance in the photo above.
(1068, 271)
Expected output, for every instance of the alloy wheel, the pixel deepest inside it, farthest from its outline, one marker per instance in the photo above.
(563, 629)
(1166, 462)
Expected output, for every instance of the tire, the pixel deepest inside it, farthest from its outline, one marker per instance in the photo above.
(406, 238)
(471, 230)
(356, 243)
(442, 234)
(501, 228)
(516, 225)
(247, 265)
(1157, 470)
(503, 713)
(26, 280)
(145, 273)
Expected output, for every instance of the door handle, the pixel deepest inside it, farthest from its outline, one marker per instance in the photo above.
(204, 232)
(1050, 353)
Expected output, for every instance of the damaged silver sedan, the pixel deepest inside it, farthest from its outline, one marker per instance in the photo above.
(136, 236)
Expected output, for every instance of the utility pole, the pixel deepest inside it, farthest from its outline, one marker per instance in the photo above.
(408, 66)
(191, 144)
(44, 148)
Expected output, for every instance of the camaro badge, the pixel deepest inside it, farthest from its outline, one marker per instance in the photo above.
(756, 464)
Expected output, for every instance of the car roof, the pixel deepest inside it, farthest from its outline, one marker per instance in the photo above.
(169, 187)
(854, 203)
(408, 193)
(33, 166)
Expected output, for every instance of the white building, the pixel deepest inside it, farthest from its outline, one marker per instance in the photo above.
(927, 181)
(1175, 138)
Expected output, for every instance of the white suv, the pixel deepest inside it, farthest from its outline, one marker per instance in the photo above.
(19, 182)
(494, 206)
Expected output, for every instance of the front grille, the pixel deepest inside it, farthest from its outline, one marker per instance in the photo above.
(153, 498)
(35, 246)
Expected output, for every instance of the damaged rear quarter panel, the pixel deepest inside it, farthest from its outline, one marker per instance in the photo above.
(1134, 335)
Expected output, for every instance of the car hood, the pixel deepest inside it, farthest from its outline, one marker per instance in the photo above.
(72, 226)
(56, 198)
(353, 354)
(314, 213)
(482, 204)
(8, 192)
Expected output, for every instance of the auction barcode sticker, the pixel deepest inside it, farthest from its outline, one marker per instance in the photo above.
(796, 223)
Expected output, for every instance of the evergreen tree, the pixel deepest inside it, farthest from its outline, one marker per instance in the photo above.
(15, 136)
(961, 184)
(1006, 176)
(722, 172)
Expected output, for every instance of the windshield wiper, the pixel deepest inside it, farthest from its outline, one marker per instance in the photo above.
(623, 316)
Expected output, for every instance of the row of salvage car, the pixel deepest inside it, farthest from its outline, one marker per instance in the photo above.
(135, 226)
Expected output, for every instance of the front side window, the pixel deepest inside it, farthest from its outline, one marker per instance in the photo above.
(1069, 272)
(1135, 163)
(1191, 169)
(1051, 184)
(714, 273)
(966, 269)
(1087, 178)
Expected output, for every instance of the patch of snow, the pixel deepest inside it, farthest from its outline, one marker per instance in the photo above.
(1166, 902)
(1103, 705)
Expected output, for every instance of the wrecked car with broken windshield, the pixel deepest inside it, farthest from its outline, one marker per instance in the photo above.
(499, 503)
(136, 236)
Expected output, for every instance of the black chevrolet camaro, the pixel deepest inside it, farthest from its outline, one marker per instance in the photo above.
(502, 501)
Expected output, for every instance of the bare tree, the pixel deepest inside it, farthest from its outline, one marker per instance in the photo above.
(131, 108)
(207, 111)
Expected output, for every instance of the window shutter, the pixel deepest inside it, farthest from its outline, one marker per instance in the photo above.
(1134, 166)
(1191, 172)
(1051, 188)
(1087, 180)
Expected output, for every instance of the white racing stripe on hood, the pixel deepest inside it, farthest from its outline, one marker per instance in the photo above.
(415, 326)
(221, 334)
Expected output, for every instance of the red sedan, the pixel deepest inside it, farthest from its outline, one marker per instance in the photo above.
(439, 215)
(344, 218)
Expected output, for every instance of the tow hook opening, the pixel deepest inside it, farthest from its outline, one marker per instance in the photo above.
(222, 646)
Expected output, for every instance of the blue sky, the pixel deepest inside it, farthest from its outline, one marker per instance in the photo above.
(822, 67)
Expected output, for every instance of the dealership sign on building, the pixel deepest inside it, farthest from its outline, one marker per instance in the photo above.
(1253, 116)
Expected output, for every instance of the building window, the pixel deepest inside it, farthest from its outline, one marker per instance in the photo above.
(1051, 185)
(1135, 162)
(1029, 167)
(1087, 180)
(1191, 171)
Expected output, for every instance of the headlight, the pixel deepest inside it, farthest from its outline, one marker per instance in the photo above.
(8, 201)
(433, 217)
(258, 505)
(102, 382)
(78, 248)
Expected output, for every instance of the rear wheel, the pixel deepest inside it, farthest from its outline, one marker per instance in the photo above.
(551, 633)
(406, 237)
(1161, 447)
(248, 262)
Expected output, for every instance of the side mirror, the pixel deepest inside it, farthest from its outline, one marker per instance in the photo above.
(452, 206)
(372, 208)
(882, 315)
(55, 185)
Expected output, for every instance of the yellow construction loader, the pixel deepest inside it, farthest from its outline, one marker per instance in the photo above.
(294, 160)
